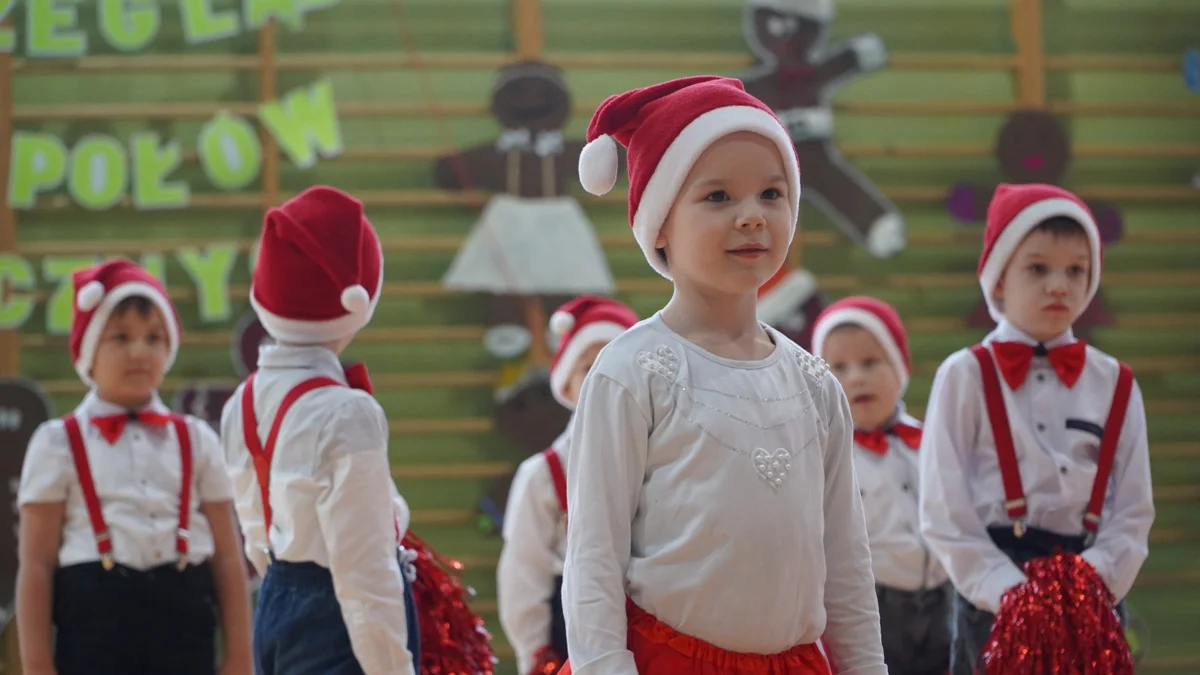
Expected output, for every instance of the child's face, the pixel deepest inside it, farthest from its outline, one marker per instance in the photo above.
(582, 367)
(1044, 286)
(862, 367)
(727, 232)
(131, 356)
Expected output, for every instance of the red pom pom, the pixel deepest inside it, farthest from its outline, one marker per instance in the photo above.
(548, 662)
(453, 639)
(1060, 620)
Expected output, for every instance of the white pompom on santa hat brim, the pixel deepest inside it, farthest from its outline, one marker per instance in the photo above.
(300, 332)
(560, 374)
(104, 309)
(1014, 233)
(868, 321)
(675, 164)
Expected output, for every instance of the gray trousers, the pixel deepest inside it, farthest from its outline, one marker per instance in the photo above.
(916, 630)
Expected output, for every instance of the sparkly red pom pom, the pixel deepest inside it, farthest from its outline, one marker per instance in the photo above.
(548, 662)
(1061, 620)
(453, 639)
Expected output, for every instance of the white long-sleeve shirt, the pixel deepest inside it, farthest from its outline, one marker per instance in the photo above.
(535, 542)
(1056, 435)
(720, 496)
(332, 497)
(889, 485)
(138, 483)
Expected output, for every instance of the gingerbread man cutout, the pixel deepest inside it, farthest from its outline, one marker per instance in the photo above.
(24, 406)
(532, 249)
(1033, 147)
(797, 75)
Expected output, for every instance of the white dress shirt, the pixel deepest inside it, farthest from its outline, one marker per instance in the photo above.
(332, 497)
(961, 489)
(137, 482)
(720, 496)
(535, 543)
(889, 485)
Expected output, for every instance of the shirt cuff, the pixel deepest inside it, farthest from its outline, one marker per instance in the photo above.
(1006, 579)
(866, 670)
(612, 663)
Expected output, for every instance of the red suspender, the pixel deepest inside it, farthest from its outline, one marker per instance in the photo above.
(261, 454)
(87, 484)
(1006, 455)
(1108, 448)
(558, 475)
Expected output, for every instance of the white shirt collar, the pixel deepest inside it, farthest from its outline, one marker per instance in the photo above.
(94, 406)
(1006, 332)
(317, 359)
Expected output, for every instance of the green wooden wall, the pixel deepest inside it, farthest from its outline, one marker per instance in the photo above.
(441, 445)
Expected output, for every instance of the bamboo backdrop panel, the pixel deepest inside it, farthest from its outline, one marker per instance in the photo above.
(443, 467)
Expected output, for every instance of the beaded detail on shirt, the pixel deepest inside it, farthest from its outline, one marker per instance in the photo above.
(813, 365)
(771, 466)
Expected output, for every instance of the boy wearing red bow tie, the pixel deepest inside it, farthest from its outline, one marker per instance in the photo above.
(864, 342)
(1034, 442)
(306, 444)
(529, 575)
(128, 539)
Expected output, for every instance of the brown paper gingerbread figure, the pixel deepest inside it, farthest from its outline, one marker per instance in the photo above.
(797, 75)
(1033, 147)
(23, 407)
(532, 248)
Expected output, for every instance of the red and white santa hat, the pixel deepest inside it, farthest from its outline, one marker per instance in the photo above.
(98, 291)
(877, 318)
(665, 128)
(578, 324)
(1014, 211)
(784, 293)
(820, 10)
(320, 268)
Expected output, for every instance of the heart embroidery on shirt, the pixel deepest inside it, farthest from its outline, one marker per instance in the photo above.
(772, 465)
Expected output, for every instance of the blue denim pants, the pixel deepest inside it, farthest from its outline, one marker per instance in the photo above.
(298, 626)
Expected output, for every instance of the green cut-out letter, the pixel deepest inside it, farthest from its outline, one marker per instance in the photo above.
(304, 119)
(252, 257)
(229, 151)
(8, 35)
(305, 6)
(59, 309)
(99, 175)
(16, 274)
(210, 270)
(37, 163)
(129, 25)
(256, 13)
(156, 265)
(201, 24)
(45, 21)
(152, 163)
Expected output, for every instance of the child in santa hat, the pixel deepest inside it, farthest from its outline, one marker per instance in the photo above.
(529, 575)
(715, 526)
(1034, 442)
(864, 342)
(307, 444)
(128, 539)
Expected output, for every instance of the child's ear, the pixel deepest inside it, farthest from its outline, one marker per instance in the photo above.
(998, 291)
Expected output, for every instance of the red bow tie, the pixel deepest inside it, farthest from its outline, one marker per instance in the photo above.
(358, 378)
(877, 441)
(1013, 359)
(112, 426)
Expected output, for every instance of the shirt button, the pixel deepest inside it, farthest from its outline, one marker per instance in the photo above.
(904, 487)
(1062, 469)
(1041, 427)
(1041, 377)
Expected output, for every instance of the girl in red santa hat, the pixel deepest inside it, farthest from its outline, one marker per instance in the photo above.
(715, 526)
(529, 575)
(307, 446)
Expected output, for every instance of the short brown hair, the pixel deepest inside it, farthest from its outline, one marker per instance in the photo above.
(1061, 226)
(137, 303)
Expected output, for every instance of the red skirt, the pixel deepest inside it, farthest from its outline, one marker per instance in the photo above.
(659, 649)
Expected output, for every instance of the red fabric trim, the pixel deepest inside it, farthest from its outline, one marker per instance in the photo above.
(185, 491)
(554, 462)
(1108, 447)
